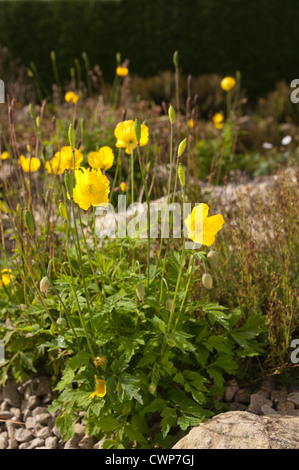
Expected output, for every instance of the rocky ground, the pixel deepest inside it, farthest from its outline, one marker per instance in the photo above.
(26, 423)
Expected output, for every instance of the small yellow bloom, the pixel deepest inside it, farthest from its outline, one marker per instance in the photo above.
(124, 186)
(218, 120)
(125, 134)
(99, 361)
(122, 71)
(100, 390)
(5, 155)
(228, 83)
(29, 165)
(190, 123)
(71, 97)
(92, 188)
(63, 160)
(6, 277)
(102, 159)
(201, 228)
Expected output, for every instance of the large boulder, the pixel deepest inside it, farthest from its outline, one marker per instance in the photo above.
(243, 430)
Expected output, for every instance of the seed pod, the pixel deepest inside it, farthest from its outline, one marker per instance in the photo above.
(3, 207)
(29, 221)
(176, 58)
(213, 257)
(169, 304)
(140, 290)
(171, 114)
(181, 173)
(137, 129)
(44, 284)
(72, 136)
(37, 122)
(68, 181)
(182, 147)
(207, 281)
(19, 210)
(62, 210)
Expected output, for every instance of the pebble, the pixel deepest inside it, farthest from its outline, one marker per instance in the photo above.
(79, 430)
(268, 410)
(10, 394)
(87, 442)
(3, 440)
(256, 403)
(294, 398)
(285, 406)
(30, 423)
(43, 418)
(242, 396)
(51, 442)
(44, 433)
(23, 435)
(37, 442)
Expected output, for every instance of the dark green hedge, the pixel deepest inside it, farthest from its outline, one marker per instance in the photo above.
(258, 37)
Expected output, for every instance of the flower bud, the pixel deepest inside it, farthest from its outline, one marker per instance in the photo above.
(152, 388)
(140, 290)
(37, 122)
(62, 210)
(137, 129)
(207, 281)
(31, 111)
(171, 114)
(19, 210)
(176, 58)
(68, 181)
(44, 284)
(182, 147)
(29, 221)
(72, 136)
(62, 322)
(181, 173)
(213, 257)
(3, 207)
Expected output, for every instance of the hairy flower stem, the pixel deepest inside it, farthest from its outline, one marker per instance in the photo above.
(132, 200)
(97, 249)
(148, 215)
(190, 270)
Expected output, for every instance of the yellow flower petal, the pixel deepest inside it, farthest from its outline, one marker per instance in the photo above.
(122, 71)
(92, 188)
(125, 134)
(201, 228)
(5, 155)
(71, 97)
(228, 83)
(100, 390)
(29, 165)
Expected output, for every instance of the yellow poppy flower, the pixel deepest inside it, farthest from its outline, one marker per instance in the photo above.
(92, 188)
(122, 71)
(102, 159)
(218, 120)
(100, 390)
(63, 160)
(5, 155)
(201, 228)
(71, 97)
(228, 83)
(124, 186)
(125, 134)
(190, 123)
(6, 277)
(29, 165)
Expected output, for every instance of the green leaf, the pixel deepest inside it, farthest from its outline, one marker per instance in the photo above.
(79, 360)
(226, 363)
(179, 339)
(108, 424)
(66, 426)
(126, 384)
(169, 420)
(158, 404)
(188, 420)
(134, 434)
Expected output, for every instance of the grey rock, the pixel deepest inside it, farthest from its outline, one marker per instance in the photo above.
(87, 442)
(256, 403)
(27, 414)
(12, 444)
(268, 410)
(10, 394)
(39, 410)
(242, 396)
(268, 384)
(23, 435)
(37, 442)
(278, 396)
(79, 430)
(237, 406)
(43, 418)
(294, 398)
(230, 391)
(47, 399)
(16, 412)
(43, 387)
(243, 430)
(285, 406)
(33, 402)
(4, 406)
(28, 392)
(6, 414)
(25, 445)
(289, 413)
(30, 423)
(99, 444)
(3, 440)
(56, 432)
(72, 443)
(51, 442)
(11, 430)
(264, 393)
(44, 433)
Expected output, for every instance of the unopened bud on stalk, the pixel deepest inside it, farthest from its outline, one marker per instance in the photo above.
(44, 284)
(31, 111)
(181, 173)
(171, 114)
(47, 197)
(152, 388)
(52, 55)
(68, 181)
(62, 210)
(72, 136)
(140, 290)
(169, 304)
(19, 210)
(3, 207)
(137, 129)
(182, 147)
(207, 281)
(118, 58)
(29, 221)
(62, 322)
(37, 122)
(176, 58)
(28, 148)
(213, 257)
